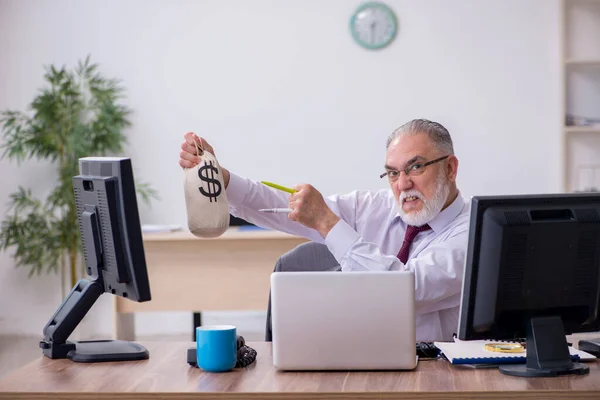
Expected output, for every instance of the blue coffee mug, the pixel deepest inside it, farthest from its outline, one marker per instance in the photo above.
(216, 347)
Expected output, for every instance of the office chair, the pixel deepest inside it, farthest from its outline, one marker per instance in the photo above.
(309, 256)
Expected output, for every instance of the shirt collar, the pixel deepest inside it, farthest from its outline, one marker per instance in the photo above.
(445, 216)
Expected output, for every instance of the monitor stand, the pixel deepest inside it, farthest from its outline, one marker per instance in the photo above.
(66, 318)
(547, 351)
(97, 350)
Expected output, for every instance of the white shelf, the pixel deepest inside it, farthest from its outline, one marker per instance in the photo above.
(583, 129)
(581, 90)
(583, 63)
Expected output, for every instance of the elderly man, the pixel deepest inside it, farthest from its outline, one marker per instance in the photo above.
(420, 225)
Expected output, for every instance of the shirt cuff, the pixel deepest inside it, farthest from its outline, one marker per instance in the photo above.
(237, 189)
(340, 239)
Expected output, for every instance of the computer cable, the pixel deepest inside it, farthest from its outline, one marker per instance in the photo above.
(245, 355)
(427, 350)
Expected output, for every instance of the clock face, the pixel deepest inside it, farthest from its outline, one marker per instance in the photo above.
(373, 25)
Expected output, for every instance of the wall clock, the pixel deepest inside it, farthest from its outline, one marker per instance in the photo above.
(373, 25)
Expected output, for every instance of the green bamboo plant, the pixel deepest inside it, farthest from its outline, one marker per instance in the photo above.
(77, 114)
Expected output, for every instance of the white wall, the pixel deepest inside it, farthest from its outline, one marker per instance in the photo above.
(283, 94)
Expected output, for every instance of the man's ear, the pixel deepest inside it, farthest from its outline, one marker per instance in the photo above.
(452, 168)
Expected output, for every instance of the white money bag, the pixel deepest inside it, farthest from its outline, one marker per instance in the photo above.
(205, 197)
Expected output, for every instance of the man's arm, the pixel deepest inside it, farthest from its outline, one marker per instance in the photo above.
(246, 197)
(311, 219)
(438, 269)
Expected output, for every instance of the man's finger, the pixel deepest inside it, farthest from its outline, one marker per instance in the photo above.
(190, 148)
(189, 137)
(189, 157)
(186, 164)
(292, 216)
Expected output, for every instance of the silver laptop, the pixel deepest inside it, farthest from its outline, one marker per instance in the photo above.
(343, 320)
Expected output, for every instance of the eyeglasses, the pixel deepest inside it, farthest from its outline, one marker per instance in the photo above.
(411, 170)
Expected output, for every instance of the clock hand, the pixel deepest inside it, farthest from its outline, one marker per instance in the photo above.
(373, 24)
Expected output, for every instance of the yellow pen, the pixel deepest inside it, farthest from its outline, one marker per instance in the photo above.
(279, 187)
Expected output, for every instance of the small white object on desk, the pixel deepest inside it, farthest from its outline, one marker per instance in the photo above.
(276, 210)
(161, 228)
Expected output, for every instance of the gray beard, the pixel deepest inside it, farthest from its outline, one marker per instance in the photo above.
(431, 207)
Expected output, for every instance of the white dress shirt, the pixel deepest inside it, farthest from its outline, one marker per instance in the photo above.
(368, 237)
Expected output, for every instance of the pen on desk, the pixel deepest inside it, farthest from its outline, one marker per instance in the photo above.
(279, 187)
(276, 210)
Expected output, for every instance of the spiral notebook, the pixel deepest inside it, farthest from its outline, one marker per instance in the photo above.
(474, 352)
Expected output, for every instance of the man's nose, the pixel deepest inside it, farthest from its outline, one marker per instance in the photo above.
(404, 182)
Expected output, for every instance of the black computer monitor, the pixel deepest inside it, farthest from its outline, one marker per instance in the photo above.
(113, 250)
(532, 271)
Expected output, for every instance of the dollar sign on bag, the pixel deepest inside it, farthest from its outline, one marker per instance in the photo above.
(209, 171)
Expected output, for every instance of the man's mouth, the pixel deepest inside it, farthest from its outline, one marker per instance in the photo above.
(412, 204)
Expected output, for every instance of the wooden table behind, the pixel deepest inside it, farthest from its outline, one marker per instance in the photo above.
(187, 273)
(231, 272)
(166, 375)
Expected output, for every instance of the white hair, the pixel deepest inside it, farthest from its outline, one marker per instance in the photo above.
(439, 136)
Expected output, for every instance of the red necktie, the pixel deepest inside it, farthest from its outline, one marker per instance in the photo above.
(409, 236)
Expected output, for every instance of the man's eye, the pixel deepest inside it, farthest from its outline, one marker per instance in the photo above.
(392, 174)
(415, 167)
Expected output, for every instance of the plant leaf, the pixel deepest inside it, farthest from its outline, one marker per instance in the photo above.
(77, 113)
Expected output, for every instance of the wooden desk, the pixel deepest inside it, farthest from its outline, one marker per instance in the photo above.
(187, 273)
(166, 375)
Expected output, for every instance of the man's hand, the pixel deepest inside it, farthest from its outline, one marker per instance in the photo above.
(309, 208)
(188, 157)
